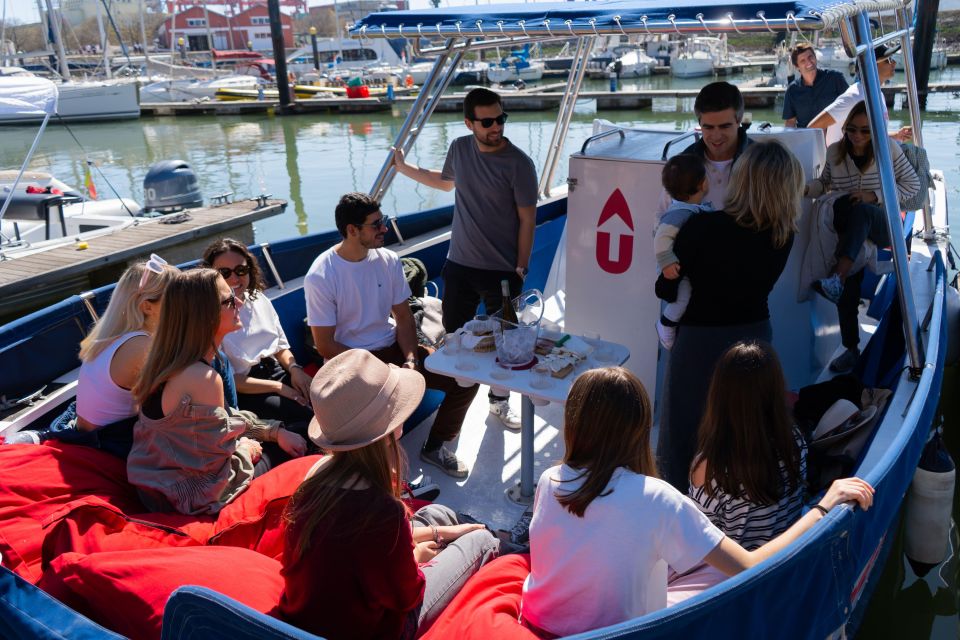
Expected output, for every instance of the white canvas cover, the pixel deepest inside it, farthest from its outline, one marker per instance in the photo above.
(26, 95)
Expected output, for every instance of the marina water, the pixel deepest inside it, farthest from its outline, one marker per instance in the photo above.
(311, 160)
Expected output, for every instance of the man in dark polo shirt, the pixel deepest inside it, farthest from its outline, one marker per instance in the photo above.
(813, 90)
(494, 216)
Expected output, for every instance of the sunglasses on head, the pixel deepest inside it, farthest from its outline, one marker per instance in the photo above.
(864, 131)
(241, 270)
(230, 303)
(154, 265)
(486, 123)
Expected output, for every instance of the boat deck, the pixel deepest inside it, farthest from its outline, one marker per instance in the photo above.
(35, 278)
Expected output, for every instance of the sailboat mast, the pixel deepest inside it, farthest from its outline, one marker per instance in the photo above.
(104, 42)
(54, 19)
(143, 35)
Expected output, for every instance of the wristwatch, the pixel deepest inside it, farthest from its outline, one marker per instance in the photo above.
(415, 362)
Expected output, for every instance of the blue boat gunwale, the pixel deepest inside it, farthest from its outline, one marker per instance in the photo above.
(841, 546)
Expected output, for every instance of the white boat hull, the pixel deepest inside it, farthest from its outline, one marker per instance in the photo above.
(691, 67)
(512, 73)
(89, 101)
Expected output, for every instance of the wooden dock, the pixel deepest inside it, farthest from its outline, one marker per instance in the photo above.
(38, 279)
(537, 98)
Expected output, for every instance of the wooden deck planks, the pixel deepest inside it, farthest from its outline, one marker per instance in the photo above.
(30, 271)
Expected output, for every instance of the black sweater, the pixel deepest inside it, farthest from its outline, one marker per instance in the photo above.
(732, 270)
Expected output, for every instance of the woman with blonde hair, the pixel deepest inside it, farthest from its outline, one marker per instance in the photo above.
(111, 357)
(605, 527)
(733, 258)
(189, 452)
(356, 563)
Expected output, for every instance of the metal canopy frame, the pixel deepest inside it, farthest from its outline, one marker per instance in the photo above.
(851, 18)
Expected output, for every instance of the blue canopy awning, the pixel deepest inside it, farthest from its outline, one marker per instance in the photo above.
(556, 19)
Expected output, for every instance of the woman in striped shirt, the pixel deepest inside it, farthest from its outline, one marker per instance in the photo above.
(857, 215)
(749, 475)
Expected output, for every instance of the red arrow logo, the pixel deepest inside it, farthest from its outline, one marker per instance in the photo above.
(616, 205)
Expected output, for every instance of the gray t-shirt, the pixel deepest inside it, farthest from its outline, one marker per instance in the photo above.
(489, 188)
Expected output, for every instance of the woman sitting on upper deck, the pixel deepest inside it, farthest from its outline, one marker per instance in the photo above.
(605, 528)
(111, 357)
(858, 215)
(189, 452)
(350, 562)
(269, 381)
(733, 259)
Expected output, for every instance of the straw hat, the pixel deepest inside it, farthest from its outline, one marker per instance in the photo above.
(358, 399)
(841, 419)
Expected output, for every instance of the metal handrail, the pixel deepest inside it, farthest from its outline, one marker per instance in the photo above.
(913, 102)
(265, 247)
(602, 134)
(565, 114)
(870, 77)
(666, 147)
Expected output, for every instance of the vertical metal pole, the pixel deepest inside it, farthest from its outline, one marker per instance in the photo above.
(103, 42)
(206, 21)
(54, 19)
(564, 115)
(913, 103)
(143, 36)
(870, 78)
(316, 53)
(526, 448)
(279, 54)
(924, 38)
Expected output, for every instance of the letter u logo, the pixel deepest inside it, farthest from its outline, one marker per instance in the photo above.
(616, 206)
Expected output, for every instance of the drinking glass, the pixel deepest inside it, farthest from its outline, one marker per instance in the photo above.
(451, 344)
(540, 377)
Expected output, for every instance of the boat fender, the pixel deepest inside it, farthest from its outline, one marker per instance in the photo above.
(928, 508)
(953, 326)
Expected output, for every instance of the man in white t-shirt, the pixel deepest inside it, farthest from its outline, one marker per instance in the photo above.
(833, 117)
(719, 111)
(356, 298)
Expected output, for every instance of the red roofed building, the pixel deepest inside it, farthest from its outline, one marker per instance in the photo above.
(227, 32)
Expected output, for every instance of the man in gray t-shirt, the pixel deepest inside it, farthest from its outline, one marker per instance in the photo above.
(494, 215)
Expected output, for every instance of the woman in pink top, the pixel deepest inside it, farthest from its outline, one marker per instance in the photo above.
(605, 528)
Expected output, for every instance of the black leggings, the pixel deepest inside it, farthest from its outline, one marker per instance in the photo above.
(272, 405)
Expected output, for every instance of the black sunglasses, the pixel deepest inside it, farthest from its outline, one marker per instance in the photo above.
(864, 131)
(384, 221)
(241, 270)
(486, 123)
(230, 303)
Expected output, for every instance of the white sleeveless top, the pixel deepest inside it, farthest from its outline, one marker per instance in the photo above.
(100, 400)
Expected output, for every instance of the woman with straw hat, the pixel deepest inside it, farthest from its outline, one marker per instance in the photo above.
(355, 563)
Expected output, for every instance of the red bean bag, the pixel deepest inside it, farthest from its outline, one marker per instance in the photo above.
(37, 481)
(126, 591)
(254, 519)
(488, 606)
(88, 525)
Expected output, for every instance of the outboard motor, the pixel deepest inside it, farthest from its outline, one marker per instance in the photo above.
(171, 185)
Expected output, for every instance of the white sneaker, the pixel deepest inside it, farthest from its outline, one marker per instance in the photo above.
(666, 334)
(509, 418)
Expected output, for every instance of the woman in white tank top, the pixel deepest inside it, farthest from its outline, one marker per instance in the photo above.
(111, 357)
(117, 345)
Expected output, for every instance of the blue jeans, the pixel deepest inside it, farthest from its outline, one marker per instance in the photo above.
(855, 223)
(115, 438)
(452, 567)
